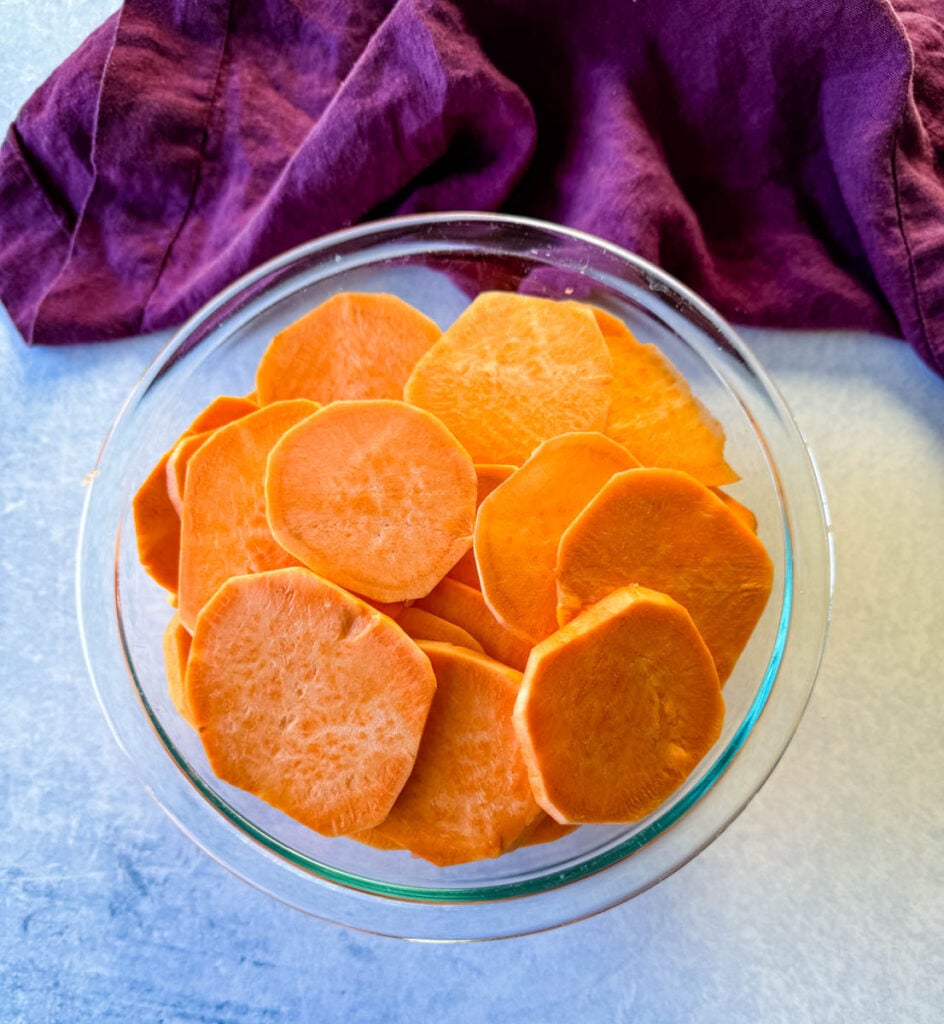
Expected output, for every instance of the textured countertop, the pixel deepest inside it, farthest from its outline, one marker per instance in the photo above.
(823, 902)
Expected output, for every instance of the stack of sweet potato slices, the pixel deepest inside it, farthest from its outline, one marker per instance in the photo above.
(457, 592)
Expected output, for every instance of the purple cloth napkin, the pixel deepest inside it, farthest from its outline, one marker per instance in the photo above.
(784, 159)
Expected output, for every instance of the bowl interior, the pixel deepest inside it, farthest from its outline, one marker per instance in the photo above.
(438, 265)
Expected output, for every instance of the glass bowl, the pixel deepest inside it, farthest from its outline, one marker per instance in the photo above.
(438, 263)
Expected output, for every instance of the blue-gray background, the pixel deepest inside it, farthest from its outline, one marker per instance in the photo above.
(823, 902)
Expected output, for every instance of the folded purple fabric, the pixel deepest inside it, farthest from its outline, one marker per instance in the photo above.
(784, 159)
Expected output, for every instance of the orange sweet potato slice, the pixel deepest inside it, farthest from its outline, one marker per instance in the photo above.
(370, 837)
(465, 571)
(488, 478)
(662, 529)
(423, 625)
(223, 530)
(156, 520)
(544, 830)
(157, 527)
(222, 410)
(392, 609)
(375, 495)
(354, 345)
(654, 413)
(465, 606)
(607, 322)
(743, 513)
(519, 526)
(617, 708)
(308, 698)
(176, 648)
(468, 797)
(177, 462)
(512, 371)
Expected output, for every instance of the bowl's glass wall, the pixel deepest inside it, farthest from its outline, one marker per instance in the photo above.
(438, 265)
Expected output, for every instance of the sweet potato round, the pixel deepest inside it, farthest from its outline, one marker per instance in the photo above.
(617, 708)
(307, 697)
(662, 529)
(512, 371)
(375, 495)
(468, 797)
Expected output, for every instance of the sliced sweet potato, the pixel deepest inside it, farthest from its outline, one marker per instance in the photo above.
(308, 698)
(156, 520)
(512, 371)
(544, 830)
(468, 796)
(488, 478)
(617, 708)
(177, 461)
(465, 571)
(741, 510)
(519, 525)
(654, 413)
(465, 606)
(157, 527)
(370, 837)
(375, 495)
(223, 529)
(607, 322)
(662, 529)
(304, 690)
(423, 625)
(354, 345)
(222, 410)
(392, 609)
(176, 647)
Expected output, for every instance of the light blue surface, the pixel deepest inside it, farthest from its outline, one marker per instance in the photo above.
(823, 902)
